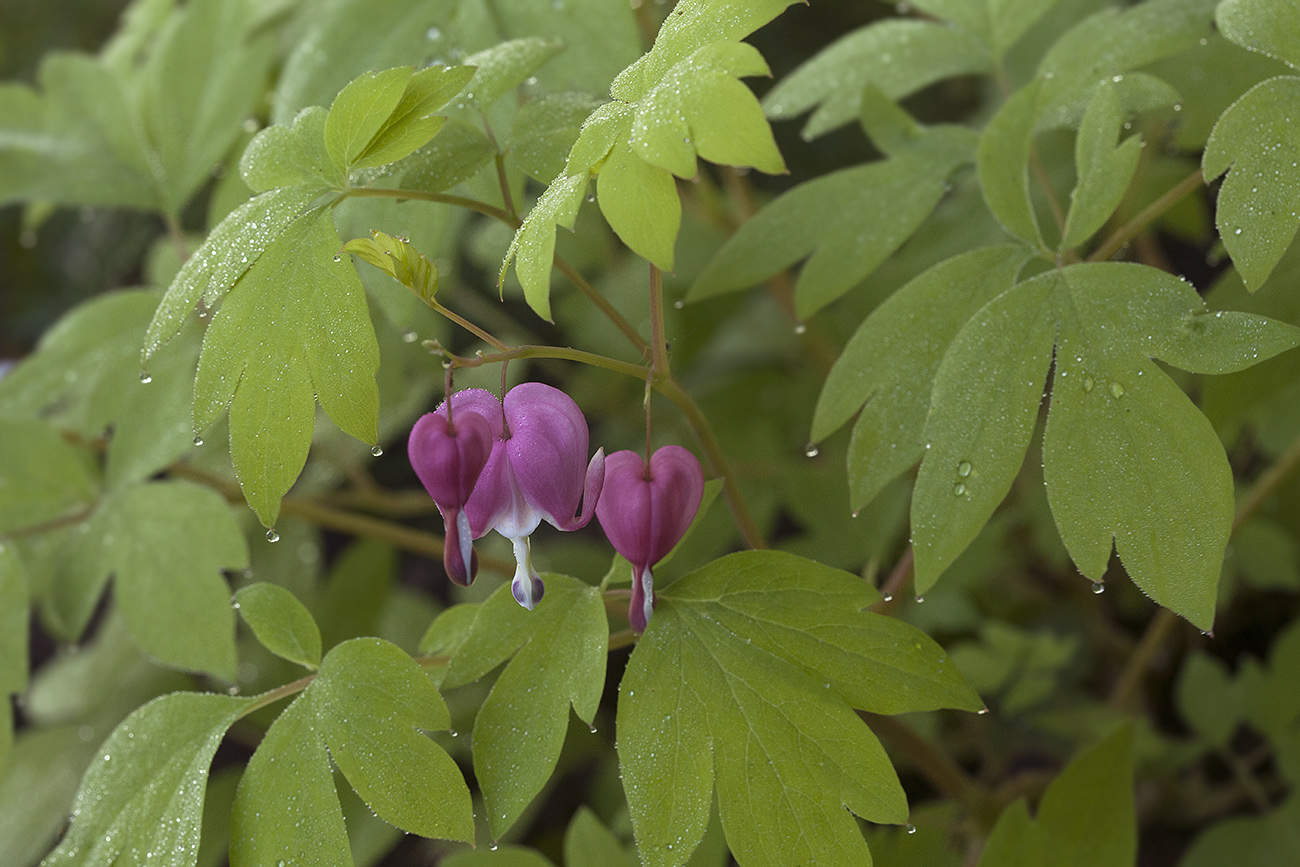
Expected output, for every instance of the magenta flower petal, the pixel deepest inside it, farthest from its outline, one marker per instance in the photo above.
(547, 449)
(645, 511)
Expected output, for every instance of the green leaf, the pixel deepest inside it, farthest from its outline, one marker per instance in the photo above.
(557, 658)
(370, 694)
(1249, 841)
(1208, 698)
(42, 476)
(1270, 27)
(501, 856)
(231, 249)
(291, 156)
(199, 84)
(360, 111)
(295, 326)
(399, 260)
(36, 790)
(762, 653)
(411, 124)
(282, 623)
(982, 412)
(455, 155)
(1104, 170)
(890, 363)
(546, 128)
(999, 24)
(1003, 162)
(1257, 141)
(899, 57)
(600, 39)
(1267, 555)
(75, 143)
(640, 202)
(501, 68)
(14, 617)
(846, 222)
(588, 843)
(1115, 420)
(167, 543)
(534, 243)
(286, 808)
(145, 793)
(1093, 793)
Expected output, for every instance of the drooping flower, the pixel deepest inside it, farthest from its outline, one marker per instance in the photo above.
(449, 457)
(645, 511)
(536, 470)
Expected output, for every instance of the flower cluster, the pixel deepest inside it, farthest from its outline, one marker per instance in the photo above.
(508, 465)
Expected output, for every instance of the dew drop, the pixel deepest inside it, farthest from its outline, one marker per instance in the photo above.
(853, 514)
(1098, 587)
(982, 711)
(591, 197)
(272, 535)
(888, 597)
(811, 450)
(1088, 383)
(454, 733)
(911, 829)
(376, 451)
(198, 441)
(592, 728)
(409, 337)
(920, 599)
(800, 328)
(679, 304)
(963, 469)
(432, 33)
(338, 258)
(493, 847)
(145, 377)
(959, 489)
(1117, 390)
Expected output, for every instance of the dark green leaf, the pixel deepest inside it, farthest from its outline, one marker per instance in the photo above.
(600, 39)
(456, 155)
(501, 856)
(558, 653)
(370, 698)
(503, 67)
(1257, 141)
(282, 623)
(764, 651)
(145, 793)
(1003, 161)
(360, 584)
(14, 617)
(1208, 699)
(1104, 169)
(1270, 27)
(1267, 555)
(982, 412)
(1087, 817)
(42, 476)
(545, 129)
(588, 843)
(899, 57)
(998, 23)
(1250, 841)
(36, 791)
(850, 221)
(890, 363)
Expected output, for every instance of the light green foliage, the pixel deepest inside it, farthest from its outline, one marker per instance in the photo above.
(557, 658)
(588, 843)
(1250, 841)
(455, 155)
(1115, 420)
(899, 57)
(292, 155)
(13, 637)
(999, 24)
(145, 792)
(42, 477)
(1086, 817)
(681, 100)
(166, 544)
(399, 260)
(1270, 27)
(282, 623)
(1257, 141)
(294, 327)
(501, 68)
(546, 128)
(502, 856)
(365, 707)
(764, 651)
(890, 362)
(1208, 699)
(1104, 169)
(850, 221)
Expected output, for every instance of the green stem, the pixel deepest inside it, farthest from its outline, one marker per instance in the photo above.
(658, 342)
(1146, 216)
(441, 198)
(560, 352)
(469, 326)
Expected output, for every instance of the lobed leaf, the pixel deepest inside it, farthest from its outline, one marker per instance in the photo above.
(145, 793)
(42, 476)
(999, 24)
(1259, 201)
(1094, 791)
(588, 843)
(360, 111)
(1104, 169)
(1270, 27)
(557, 659)
(294, 330)
(761, 653)
(896, 56)
(503, 67)
(399, 260)
(411, 124)
(890, 363)
(291, 156)
(281, 623)
(546, 128)
(534, 244)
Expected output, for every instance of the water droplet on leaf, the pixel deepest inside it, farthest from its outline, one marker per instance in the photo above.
(198, 441)
(811, 450)
(1098, 587)
(272, 535)
(145, 377)
(1117, 390)
(963, 468)
(376, 451)
(959, 489)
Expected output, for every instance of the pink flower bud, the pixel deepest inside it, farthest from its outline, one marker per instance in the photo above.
(645, 511)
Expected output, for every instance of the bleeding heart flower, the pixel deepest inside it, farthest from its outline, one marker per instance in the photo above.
(536, 470)
(449, 456)
(645, 511)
